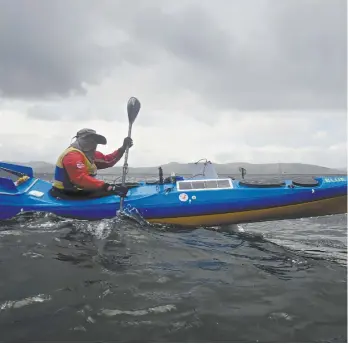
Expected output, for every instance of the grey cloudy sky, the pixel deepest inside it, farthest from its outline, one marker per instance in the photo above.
(248, 80)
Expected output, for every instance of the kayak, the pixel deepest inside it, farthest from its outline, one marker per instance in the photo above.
(197, 201)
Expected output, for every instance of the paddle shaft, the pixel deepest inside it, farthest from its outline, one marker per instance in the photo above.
(125, 166)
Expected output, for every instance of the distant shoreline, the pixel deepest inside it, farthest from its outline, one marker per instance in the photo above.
(281, 169)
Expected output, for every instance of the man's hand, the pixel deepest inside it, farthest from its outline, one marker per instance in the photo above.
(127, 142)
(116, 189)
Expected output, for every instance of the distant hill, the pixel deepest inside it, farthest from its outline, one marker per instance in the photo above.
(42, 167)
(233, 169)
(342, 169)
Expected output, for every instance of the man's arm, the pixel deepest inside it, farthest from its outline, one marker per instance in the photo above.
(105, 161)
(78, 173)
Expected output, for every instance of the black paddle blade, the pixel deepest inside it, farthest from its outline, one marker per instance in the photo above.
(133, 108)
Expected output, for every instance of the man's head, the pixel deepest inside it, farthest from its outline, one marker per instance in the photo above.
(87, 141)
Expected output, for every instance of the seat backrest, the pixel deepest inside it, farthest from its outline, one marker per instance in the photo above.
(7, 185)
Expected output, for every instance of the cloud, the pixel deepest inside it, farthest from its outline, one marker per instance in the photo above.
(250, 138)
(51, 48)
(227, 80)
(295, 60)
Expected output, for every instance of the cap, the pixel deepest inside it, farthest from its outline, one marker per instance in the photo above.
(100, 139)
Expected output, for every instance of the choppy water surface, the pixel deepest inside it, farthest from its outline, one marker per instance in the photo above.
(118, 280)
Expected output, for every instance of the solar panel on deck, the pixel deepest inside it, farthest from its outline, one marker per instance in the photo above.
(185, 186)
(198, 185)
(223, 183)
(204, 184)
(211, 184)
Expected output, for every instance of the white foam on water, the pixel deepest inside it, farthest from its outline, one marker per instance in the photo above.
(99, 229)
(140, 312)
(90, 320)
(133, 213)
(240, 228)
(106, 292)
(14, 232)
(48, 224)
(20, 233)
(102, 231)
(78, 328)
(138, 237)
(233, 228)
(31, 254)
(25, 302)
(138, 323)
(163, 280)
(281, 315)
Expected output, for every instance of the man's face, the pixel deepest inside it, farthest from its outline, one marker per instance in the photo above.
(88, 143)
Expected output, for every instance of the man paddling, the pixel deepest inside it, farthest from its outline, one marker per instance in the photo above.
(77, 166)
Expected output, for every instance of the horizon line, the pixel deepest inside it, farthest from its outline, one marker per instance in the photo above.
(186, 163)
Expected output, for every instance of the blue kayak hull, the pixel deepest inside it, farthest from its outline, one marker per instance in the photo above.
(331, 206)
(236, 202)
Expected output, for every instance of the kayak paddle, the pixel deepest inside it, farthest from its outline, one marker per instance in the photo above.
(133, 108)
